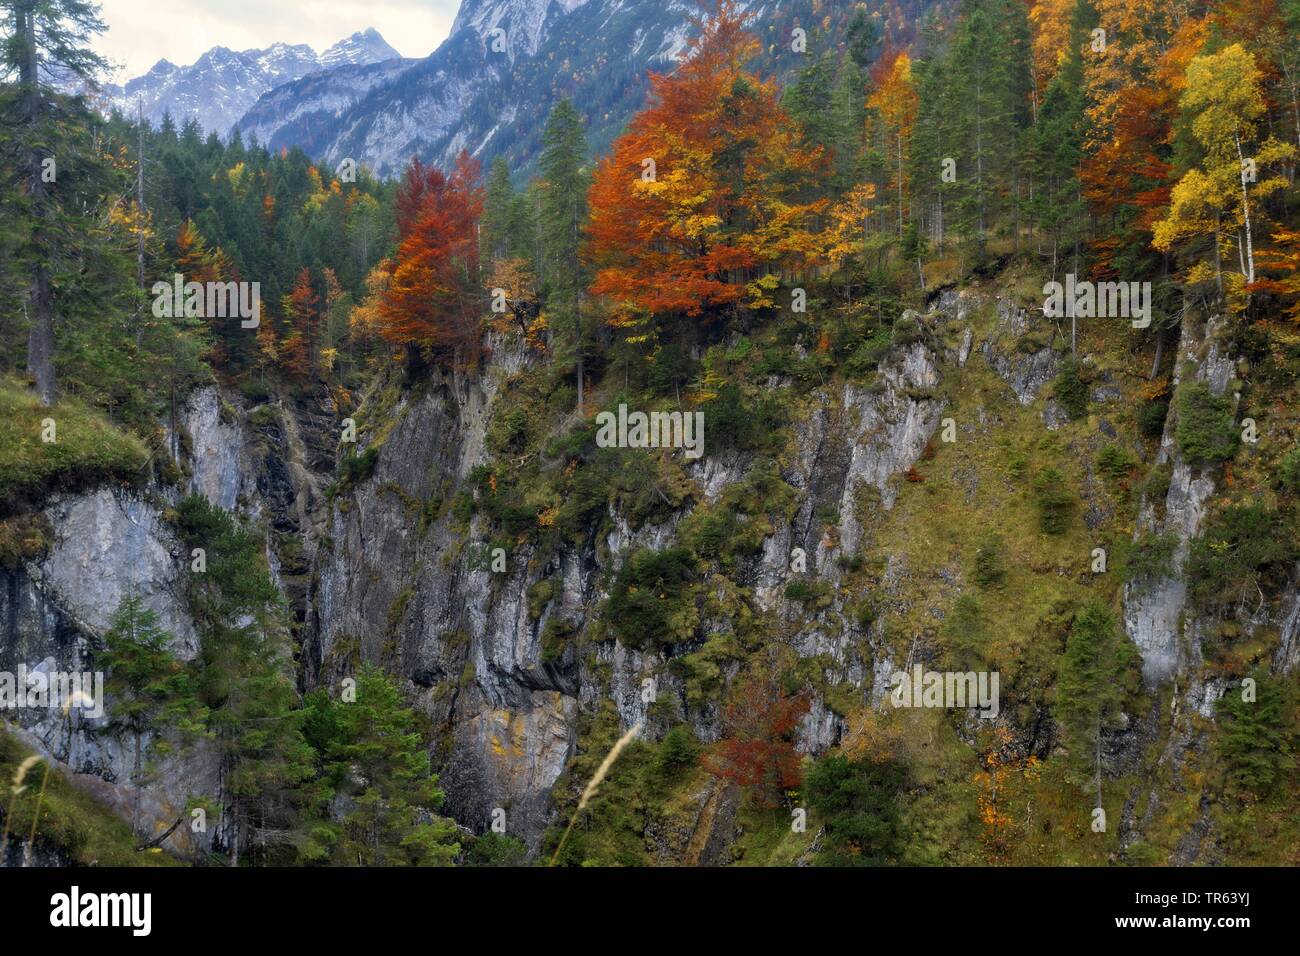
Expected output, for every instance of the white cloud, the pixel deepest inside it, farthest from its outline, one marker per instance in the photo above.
(142, 32)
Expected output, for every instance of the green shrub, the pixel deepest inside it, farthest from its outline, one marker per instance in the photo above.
(858, 801)
(1155, 486)
(1053, 500)
(1151, 417)
(1070, 390)
(868, 356)
(496, 849)
(990, 566)
(1256, 740)
(1243, 552)
(1115, 462)
(557, 633)
(677, 755)
(906, 330)
(652, 603)
(1151, 558)
(1205, 432)
(539, 595)
(734, 420)
(356, 468)
(806, 592)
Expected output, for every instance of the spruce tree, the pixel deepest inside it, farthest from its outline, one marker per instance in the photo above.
(1255, 739)
(45, 38)
(563, 220)
(150, 689)
(1096, 675)
(377, 765)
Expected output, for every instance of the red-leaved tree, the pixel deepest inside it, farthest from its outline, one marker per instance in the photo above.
(432, 303)
(757, 750)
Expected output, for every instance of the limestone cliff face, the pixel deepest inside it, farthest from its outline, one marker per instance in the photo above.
(107, 544)
(1153, 610)
(420, 596)
(379, 571)
(53, 613)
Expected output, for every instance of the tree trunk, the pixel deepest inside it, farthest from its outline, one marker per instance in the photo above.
(135, 780)
(1099, 759)
(40, 341)
(1160, 354)
(1245, 211)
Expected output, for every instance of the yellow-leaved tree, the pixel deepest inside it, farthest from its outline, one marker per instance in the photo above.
(1221, 197)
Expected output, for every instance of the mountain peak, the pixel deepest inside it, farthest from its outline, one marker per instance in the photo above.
(221, 85)
(364, 46)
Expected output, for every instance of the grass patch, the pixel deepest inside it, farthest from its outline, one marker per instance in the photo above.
(87, 447)
(71, 821)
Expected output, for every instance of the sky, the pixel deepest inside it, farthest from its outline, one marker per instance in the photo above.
(142, 32)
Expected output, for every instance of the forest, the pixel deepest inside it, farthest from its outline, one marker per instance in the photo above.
(745, 228)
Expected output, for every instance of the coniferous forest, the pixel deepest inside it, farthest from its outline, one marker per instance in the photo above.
(881, 449)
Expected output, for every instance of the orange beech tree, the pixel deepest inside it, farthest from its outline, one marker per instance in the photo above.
(432, 301)
(698, 205)
(757, 750)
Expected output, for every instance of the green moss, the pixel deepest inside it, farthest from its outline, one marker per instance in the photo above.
(87, 448)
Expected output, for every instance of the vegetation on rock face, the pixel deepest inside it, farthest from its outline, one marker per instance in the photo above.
(1205, 430)
(1243, 552)
(1258, 738)
(1054, 501)
(69, 446)
(375, 761)
(72, 824)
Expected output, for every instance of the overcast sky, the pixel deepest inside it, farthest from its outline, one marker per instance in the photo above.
(142, 32)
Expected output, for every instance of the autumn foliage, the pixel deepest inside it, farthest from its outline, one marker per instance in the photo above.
(432, 302)
(697, 206)
(757, 751)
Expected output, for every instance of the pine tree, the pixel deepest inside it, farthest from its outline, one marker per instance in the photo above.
(1256, 739)
(989, 70)
(807, 99)
(255, 717)
(494, 224)
(1095, 675)
(1053, 149)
